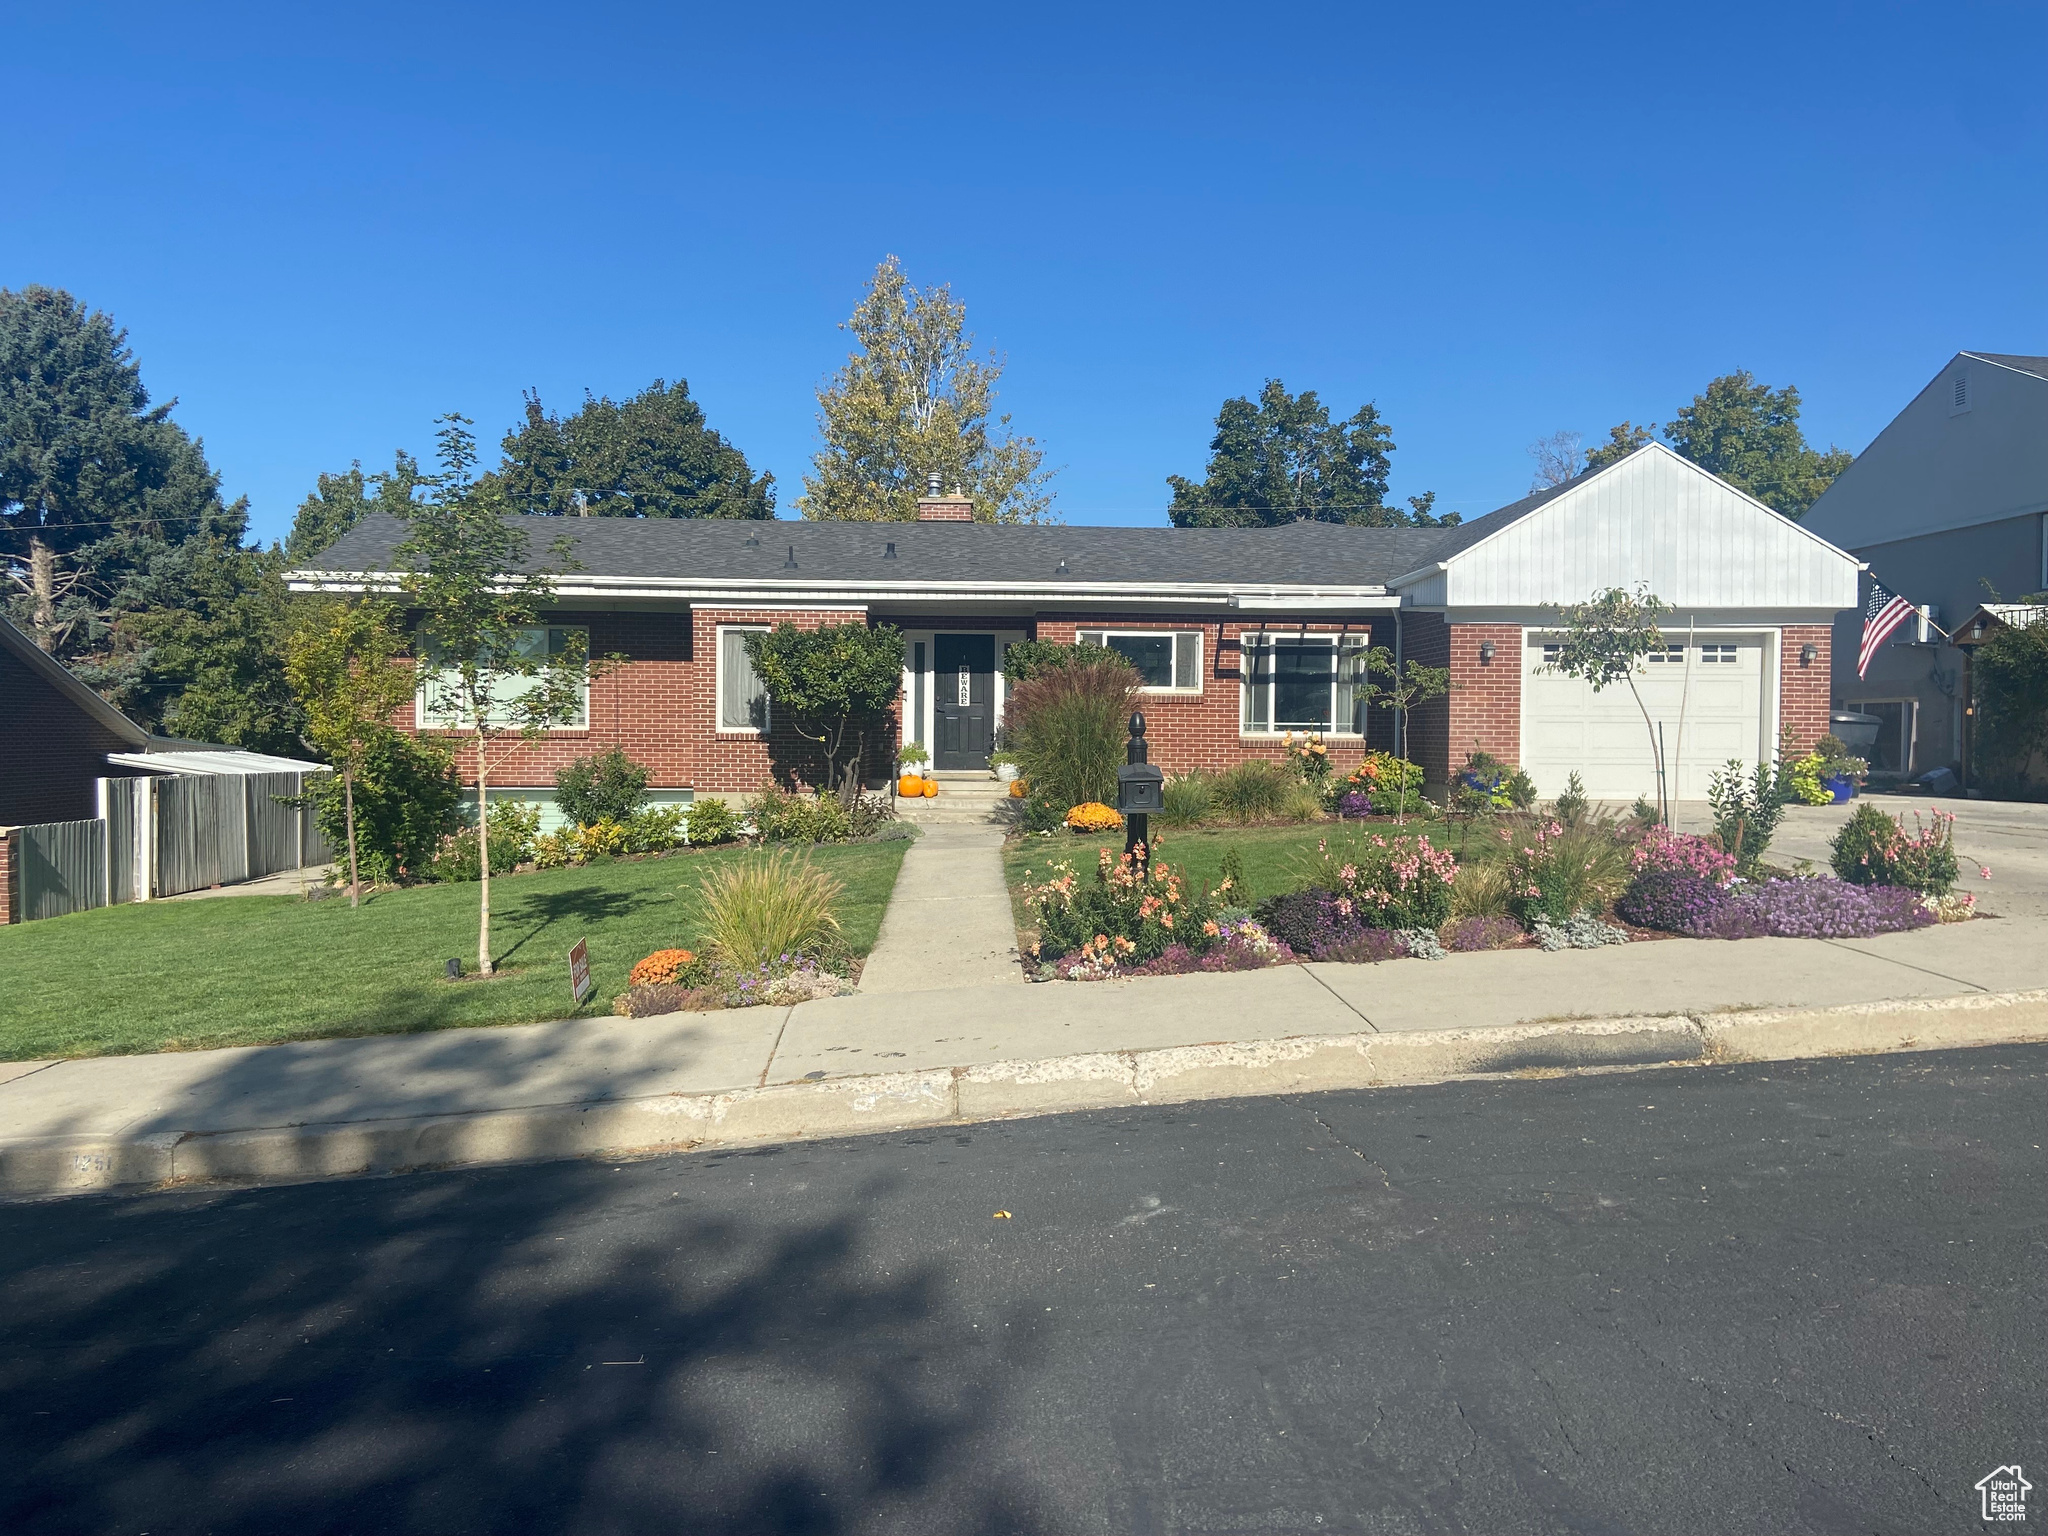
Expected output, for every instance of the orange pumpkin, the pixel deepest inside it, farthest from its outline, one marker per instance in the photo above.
(931, 789)
(910, 786)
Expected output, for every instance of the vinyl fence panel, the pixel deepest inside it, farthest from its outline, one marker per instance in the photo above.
(63, 868)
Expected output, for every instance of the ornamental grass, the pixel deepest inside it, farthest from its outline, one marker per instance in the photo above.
(768, 905)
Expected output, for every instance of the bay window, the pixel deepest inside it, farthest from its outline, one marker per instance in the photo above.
(1304, 682)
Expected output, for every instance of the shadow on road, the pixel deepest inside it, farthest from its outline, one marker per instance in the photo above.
(555, 1348)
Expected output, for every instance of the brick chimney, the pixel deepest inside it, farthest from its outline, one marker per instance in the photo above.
(934, 507)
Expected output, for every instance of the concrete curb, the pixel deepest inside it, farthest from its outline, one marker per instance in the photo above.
(855, 1106)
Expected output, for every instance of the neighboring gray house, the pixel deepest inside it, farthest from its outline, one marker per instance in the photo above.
(1951, 496)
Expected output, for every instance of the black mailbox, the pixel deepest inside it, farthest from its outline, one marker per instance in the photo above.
(1139, 789)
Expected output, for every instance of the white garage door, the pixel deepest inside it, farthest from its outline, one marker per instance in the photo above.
(1717, 680)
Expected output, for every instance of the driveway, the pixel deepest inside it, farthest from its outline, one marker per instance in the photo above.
(2008, 837)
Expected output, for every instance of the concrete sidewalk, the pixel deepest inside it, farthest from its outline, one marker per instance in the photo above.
(874, 1061)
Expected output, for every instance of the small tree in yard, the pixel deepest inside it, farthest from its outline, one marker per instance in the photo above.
(483, 674)
(343, 662)
(1405, 687)
(2012, 705)
(831, 683)
(1605, 641)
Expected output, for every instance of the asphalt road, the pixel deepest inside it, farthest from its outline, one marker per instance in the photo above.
(1785, 1298)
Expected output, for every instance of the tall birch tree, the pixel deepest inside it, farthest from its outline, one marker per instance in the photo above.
(913, 401)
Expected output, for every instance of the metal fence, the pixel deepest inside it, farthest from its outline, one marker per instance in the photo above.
(161, 836)
(63, 868)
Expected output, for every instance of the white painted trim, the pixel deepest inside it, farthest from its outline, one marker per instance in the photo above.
(1201, 657)
(768, 594)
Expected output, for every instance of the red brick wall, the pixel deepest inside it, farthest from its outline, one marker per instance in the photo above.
(50, 750)
(1483, 710)
(661, 706)
(1803, 691)
(10, 844)
(1188, 731)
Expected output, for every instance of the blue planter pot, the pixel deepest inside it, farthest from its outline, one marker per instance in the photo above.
(1844, 790)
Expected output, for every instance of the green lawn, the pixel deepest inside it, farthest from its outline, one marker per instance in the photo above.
(247, 970)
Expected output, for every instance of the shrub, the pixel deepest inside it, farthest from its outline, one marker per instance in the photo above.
(1388, 784)
(1662, 848)
(1557, 871)
(1230, 881)
(1026, 659)
(1388, 882)
(816, 818)
(655, 829)
(1670, 900)
(1465, 934)
(710, 822)
(408, 800)
(608, 786)
(1309, 757)
(913, 755)
(2012, 708)
(769, 905)
(1747, 810)
(1124, 915)
(1310, 922)
(1303, 802)
(1068, 725)
(1185, 800)
(513, 827)
(1252, 790)
(1802, 780)
(1571, 807)
(1241, 945)
(1875, 849)
(1093, 817)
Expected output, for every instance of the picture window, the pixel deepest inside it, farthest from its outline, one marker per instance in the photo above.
(1168, 661)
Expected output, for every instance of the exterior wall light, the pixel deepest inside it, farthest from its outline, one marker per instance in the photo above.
(1808, 654)
(1486, 653)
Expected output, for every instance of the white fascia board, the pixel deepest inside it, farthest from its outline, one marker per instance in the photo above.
(1280, 602)
(1421, 573)
(816, 595)
(1670, 622)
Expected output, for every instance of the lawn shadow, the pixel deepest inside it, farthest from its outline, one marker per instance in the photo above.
(580, 903)
(550, 1348)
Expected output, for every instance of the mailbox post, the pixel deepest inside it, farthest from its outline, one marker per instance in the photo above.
(1140, 790)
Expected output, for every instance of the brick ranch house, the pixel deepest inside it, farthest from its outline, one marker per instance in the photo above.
(1241, 634)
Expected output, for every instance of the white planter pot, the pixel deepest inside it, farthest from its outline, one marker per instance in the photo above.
(1006, 772)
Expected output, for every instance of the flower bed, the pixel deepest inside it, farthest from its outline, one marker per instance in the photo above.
(1788, 908)
(662, 984)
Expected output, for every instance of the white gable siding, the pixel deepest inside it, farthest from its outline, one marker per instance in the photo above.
(1654, 518)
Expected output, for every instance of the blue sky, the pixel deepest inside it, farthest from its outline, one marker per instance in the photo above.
(323, 228)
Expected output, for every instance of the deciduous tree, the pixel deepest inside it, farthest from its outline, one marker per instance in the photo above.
(339, 502)
(913, 401)
(478, 606)
(1749, 435)
(829, 683)
(1559, 457)
(1605, 640)
(344, 659)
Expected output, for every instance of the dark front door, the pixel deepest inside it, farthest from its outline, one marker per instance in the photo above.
(964, 700)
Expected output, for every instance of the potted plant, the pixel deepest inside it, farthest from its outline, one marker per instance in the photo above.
(1003, 766)
(1840, 773)
(910, 779)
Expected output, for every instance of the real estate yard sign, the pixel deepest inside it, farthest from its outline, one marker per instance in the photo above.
(579, 972)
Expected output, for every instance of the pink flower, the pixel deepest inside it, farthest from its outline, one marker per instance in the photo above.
(1983, 871)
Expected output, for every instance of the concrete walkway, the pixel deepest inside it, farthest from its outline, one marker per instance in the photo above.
(949, 923)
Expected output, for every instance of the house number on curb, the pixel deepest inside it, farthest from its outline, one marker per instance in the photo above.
(966, 681)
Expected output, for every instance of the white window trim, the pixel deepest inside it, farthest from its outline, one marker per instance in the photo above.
(1257, 638)
(1161, 634)
(718, 725)
(422, 708)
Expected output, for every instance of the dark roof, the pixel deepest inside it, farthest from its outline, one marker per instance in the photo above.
(1465, 535)
(720, 550)
(2025, 364)
(58, 676)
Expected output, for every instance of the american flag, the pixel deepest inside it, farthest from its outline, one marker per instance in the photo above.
(1885, 612)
